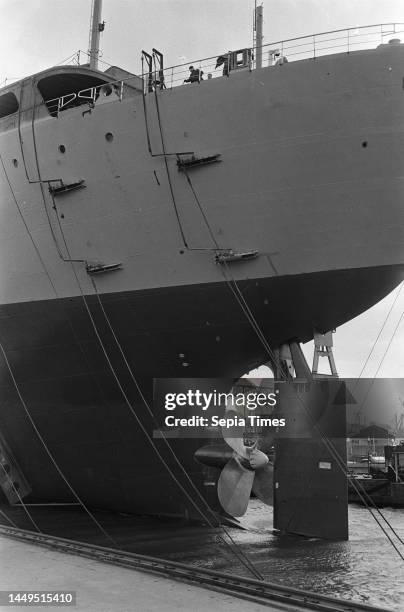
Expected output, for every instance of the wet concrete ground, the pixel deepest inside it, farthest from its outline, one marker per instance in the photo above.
(105, 588)
(366, 569)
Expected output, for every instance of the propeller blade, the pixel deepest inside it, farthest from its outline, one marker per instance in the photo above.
(215, 455)
(234, 436)
(234, 487)
(263, 484)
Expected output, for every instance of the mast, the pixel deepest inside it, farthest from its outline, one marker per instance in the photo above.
(259, 12)
(96, 28)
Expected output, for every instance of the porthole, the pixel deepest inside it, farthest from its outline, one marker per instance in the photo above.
(62, 148)
(15, 163)
(109, 137)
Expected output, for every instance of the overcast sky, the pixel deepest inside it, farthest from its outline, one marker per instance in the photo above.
(39, 33)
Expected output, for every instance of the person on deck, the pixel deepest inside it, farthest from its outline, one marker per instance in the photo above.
(223, 60)
(195, 75)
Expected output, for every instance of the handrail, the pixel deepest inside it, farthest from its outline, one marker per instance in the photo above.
(377, 25)
(311, 46)
(307, 36)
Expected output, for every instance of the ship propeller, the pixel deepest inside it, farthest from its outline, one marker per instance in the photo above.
(248, 470)
(244, 469)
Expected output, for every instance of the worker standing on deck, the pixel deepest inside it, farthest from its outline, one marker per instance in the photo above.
(223, 60)
(195, 75)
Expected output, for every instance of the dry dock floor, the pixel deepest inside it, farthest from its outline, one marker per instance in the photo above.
(104, 588)
(364, 570)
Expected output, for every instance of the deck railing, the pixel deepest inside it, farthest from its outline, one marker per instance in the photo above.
(335, 41)
(293, 49)
(273, 53)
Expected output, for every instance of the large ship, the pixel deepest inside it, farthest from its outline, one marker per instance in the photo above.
(156, 228)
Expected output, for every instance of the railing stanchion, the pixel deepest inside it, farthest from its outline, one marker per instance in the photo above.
(143, 81)
(298, 48)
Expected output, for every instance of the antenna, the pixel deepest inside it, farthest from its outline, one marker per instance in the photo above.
(96, 28)
(90, 26)
(254, 28)
(257, 33)
(254, 25)
(259, 12)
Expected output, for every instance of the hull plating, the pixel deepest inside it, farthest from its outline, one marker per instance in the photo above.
(311, 176)
(74, 399)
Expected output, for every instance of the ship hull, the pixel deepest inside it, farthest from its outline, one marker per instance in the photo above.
(81, 396)
(309, 178)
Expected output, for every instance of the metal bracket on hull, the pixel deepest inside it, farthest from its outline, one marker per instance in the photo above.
(99, 268)
(194, 162)
(64, 188)
(224, 256)
(12, 481)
